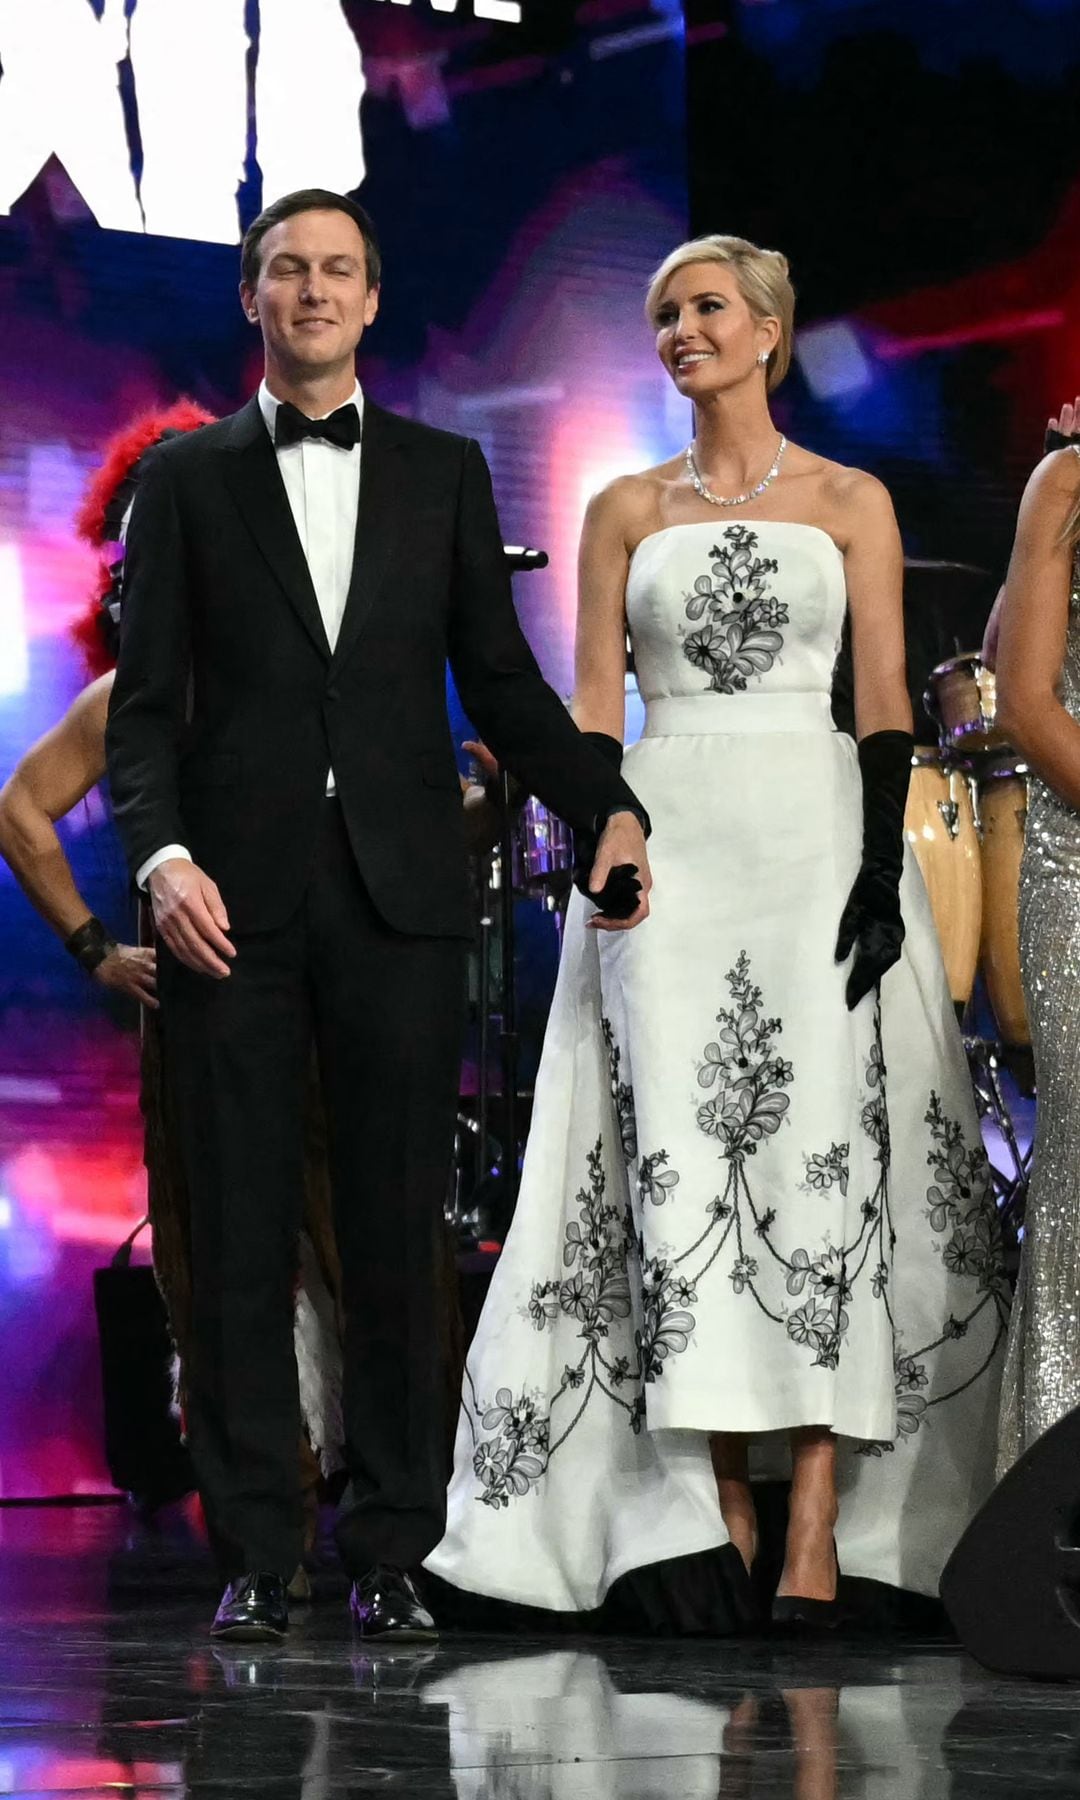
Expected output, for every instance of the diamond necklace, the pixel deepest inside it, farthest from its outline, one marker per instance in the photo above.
(736, 499)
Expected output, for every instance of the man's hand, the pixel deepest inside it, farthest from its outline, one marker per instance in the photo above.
(489, 764)
(190, 915)
(130, 970)
(622, 841)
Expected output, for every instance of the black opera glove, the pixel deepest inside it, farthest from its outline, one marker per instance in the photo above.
(618, 898)
(620, 894)
(871, 924)
(1056, 440)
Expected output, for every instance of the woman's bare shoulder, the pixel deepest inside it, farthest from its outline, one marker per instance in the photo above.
(851, 488)
(1057, 476)
(633, 503)
(1048, 508)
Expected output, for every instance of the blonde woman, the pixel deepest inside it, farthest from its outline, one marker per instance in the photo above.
(1038, 674)
(716, 1269)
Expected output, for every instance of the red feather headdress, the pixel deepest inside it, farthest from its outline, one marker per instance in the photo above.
(98, 520)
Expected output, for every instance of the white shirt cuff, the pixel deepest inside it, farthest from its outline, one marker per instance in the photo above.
(143, 875)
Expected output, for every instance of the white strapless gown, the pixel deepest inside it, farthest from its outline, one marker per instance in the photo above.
(743, 1208)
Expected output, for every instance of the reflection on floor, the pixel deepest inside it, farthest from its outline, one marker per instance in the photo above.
(108, 1685)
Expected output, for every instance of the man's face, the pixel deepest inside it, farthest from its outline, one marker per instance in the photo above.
(311, 298)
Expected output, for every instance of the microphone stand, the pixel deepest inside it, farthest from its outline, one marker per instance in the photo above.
(509, 1043)
(520, 560)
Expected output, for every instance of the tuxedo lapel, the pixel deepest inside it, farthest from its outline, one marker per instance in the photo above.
(383, 469)
(254, 479)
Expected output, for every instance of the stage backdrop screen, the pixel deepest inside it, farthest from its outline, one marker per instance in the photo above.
(525, 165)
(919, 164)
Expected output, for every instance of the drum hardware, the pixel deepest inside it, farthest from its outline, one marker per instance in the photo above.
(483, 1002)
(985, 1061)
(939, 824)
(961, 698)
(540, 861)
(543, 856)
(950, 815)
(508, 1032)
(468, 1211)
(533, 859)
(520, 560)
(453, 1209)
(475, 1150)
(500, 1166)
(988, 786)
(483, 1173)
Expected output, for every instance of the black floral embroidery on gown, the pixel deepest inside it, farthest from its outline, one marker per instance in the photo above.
(621, 1093)
(593, 1291)
(739, 638)
(960, 1212)
(807, 1290)
(745, 1065)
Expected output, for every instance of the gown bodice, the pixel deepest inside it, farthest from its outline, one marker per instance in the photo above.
(753, 607)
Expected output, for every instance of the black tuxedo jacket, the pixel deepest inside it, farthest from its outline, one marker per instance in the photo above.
(228, 707)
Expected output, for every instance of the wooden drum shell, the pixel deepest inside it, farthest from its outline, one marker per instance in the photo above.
(939, 824)
(962, 697)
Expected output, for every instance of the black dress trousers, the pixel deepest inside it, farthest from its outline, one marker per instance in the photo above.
(386, 1011)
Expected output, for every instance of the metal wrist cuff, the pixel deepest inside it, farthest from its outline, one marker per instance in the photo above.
(90, 945)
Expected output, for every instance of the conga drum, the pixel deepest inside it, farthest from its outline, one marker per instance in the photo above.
(962, 698)
(1002, 815)
(940, 827)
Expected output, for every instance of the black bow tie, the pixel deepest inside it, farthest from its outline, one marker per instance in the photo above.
(341, 428)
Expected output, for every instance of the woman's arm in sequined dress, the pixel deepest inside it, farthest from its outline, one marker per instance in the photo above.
(1034, 628)
(1063, 424)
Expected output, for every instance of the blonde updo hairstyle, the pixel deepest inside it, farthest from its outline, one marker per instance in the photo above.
(763, 281)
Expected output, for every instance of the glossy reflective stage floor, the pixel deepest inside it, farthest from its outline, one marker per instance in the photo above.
(109, 1686)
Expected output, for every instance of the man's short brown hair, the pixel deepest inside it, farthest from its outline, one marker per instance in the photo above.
(309, 200)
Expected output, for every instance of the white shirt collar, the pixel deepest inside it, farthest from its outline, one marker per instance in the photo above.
(268, 406)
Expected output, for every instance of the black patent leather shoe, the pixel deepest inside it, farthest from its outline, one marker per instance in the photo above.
(385, 1604)
(254, 1610)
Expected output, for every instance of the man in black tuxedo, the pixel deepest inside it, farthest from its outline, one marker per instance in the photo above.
(284, 782)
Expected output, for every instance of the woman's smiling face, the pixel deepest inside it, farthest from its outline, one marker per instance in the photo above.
(706, 335)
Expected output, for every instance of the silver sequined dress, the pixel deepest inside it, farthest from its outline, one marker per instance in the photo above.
(1042, 1376)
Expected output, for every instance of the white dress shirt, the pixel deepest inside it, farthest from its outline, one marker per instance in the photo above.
(322, 484)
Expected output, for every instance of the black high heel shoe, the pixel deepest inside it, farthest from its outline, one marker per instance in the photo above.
(798, 1612)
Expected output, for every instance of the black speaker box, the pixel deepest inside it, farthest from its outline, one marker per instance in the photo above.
(143, 1448)
(1012, 1585)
